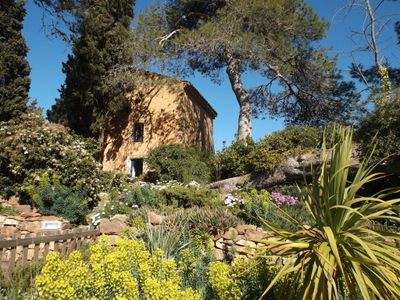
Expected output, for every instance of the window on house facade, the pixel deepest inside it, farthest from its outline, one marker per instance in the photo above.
(138, 132)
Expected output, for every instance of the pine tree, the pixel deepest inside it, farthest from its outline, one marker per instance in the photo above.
(90, 92)
(14, 68)
(275, 38)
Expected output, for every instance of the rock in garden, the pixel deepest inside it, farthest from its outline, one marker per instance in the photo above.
(112, 227)
(254, 235)
(155, 219)
(242, 228)
(230, 234)
(120, 218)
(219, 254)
(245, 243)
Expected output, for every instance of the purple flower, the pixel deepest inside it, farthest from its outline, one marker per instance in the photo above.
(284, 199)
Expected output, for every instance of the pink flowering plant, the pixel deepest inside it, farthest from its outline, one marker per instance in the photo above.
(281, 199)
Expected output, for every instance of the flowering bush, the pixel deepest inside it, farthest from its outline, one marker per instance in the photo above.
(284, 199)
(127, 271)
(32, 146)
(245, 278)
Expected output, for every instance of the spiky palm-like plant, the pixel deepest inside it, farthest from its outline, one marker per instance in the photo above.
(342, 254)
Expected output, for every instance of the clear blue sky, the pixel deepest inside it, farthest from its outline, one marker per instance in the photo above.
(47, 54)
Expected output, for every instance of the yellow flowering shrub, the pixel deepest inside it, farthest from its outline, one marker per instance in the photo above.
(222, 281)
(126, 271)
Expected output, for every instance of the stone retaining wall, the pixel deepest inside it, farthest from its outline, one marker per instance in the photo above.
(239, 241)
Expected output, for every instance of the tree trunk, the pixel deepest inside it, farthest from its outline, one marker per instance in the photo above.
(245, 114)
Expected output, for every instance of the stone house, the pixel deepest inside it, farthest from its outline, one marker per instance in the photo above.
(161, 111)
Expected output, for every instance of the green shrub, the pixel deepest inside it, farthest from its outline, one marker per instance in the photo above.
(191, 195)
(62, 201)
(113, 208)
(234, 160)
(384, 123)
(244, 157)
(32, 146)
(124, 271)
(255, 205)
(244, 279)
(142, 196)
(20, 282)
(178, 162)
(274, 148)
(206, 220)
(8, 211)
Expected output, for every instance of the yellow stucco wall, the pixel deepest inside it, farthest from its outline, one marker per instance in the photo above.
(171, 112)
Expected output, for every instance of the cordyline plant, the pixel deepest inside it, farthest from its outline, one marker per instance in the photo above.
(343, 255)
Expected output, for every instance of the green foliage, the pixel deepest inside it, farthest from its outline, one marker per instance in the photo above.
(178, 162)
(234, 160)
(59, 200)
(256, 205)
(143, 196)
(341, 254)
(206, 220)
(190, 196)
(8, 211)
(274, 148)
(14, 67)
(95, 83)
(170, 239)
(384, 123)
(264, 156)
(32, 147)
(20, 283)
(245, 278)
(113, 208)
(221, 281)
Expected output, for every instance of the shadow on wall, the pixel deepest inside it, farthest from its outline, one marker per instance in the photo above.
(177, 119)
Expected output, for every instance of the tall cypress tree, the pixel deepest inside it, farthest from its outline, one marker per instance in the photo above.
(88, 94)
(14, 68)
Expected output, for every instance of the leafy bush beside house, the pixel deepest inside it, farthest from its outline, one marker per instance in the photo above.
(264, 156)
(32, 146)
(179, 162)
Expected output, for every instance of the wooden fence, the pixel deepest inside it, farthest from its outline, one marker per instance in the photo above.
(20, 250)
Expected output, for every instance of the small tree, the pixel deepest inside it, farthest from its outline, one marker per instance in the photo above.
(100, 49)
(14, 67)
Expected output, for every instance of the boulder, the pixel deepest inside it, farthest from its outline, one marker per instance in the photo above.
(245, 243)
(231, 184)
(114, 227)
(11, 222)
(120, 218)
(33, 227)
(155, 219)
(230, 234)
(241, 229)
(219, 254)
(30, 214)
(8, 231)
(255, 235)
